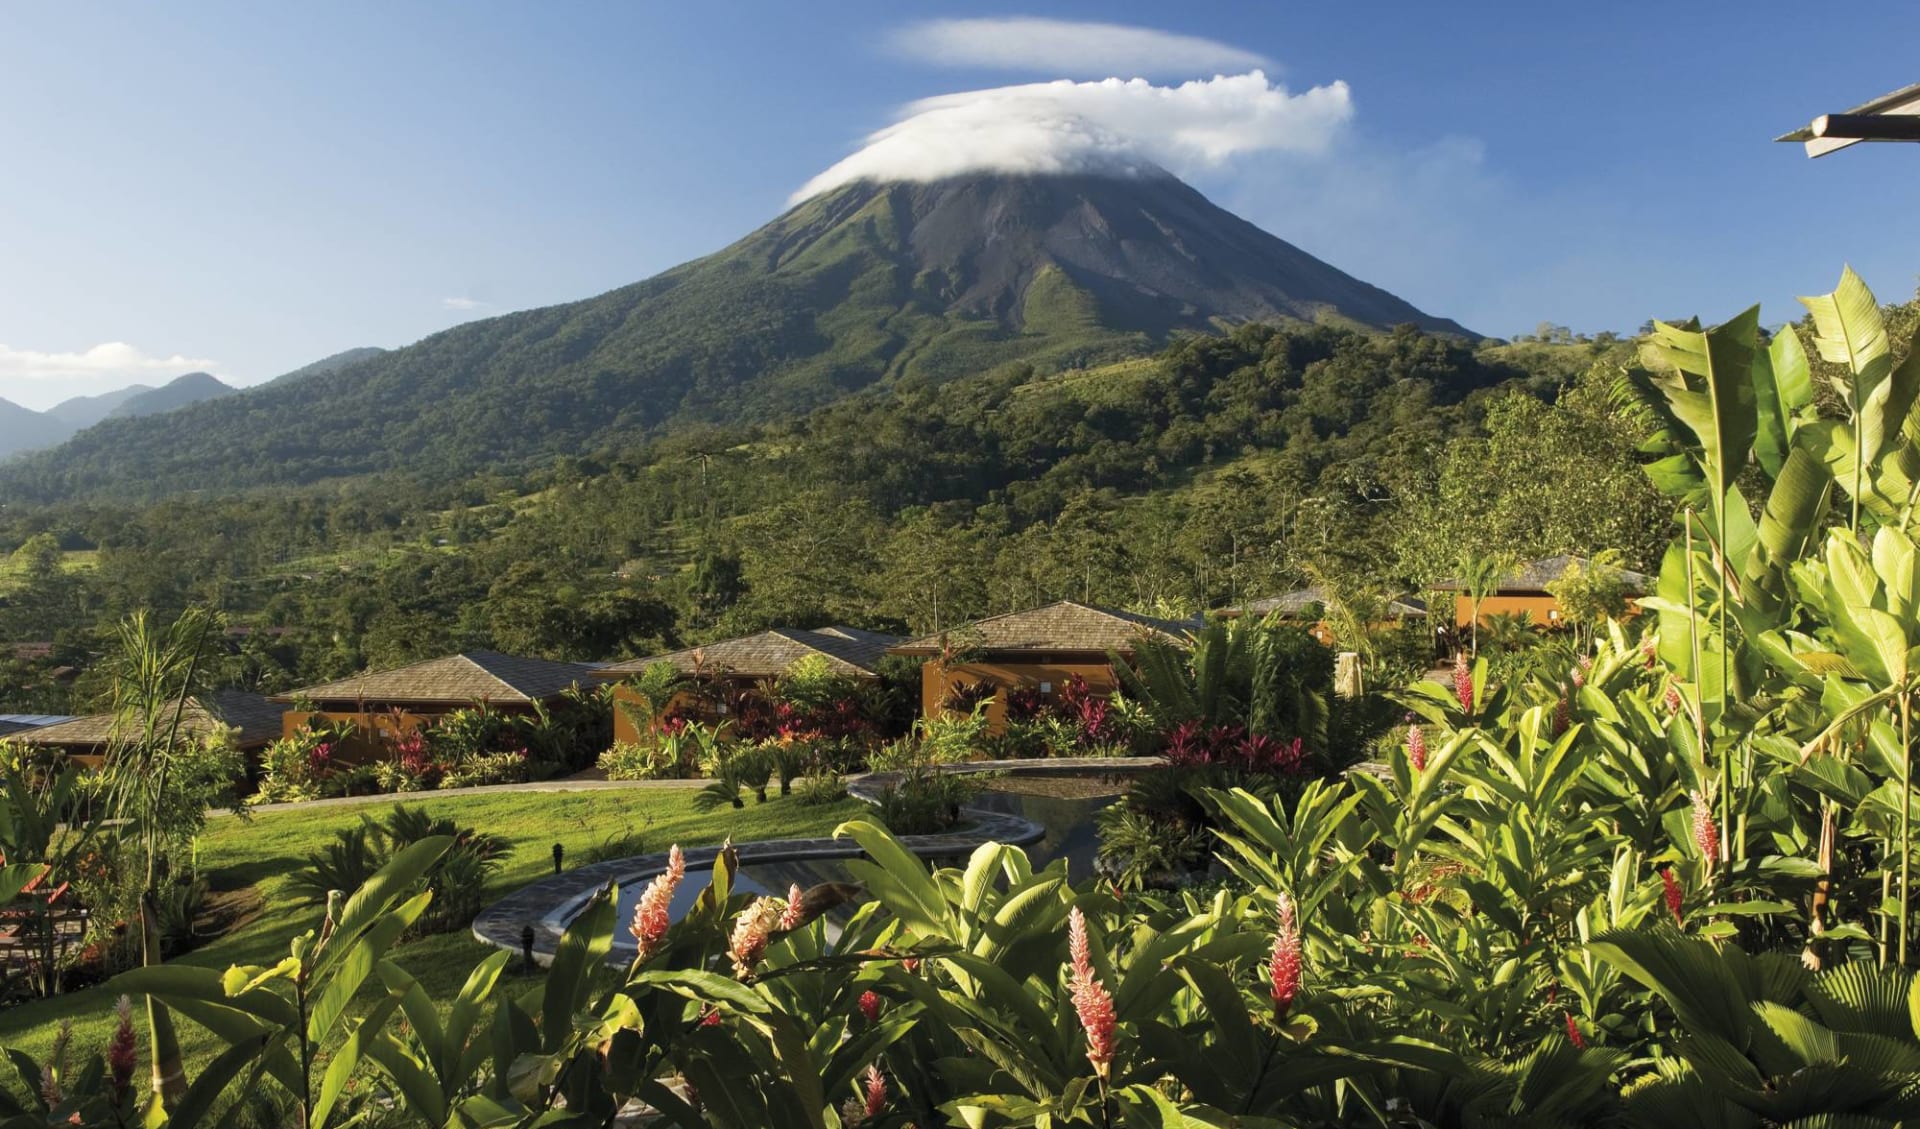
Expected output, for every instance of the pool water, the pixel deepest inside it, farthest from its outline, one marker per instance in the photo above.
(1065, 808)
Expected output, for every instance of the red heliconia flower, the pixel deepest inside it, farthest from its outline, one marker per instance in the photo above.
(122, 1053)
(1674, 895)
(876, 1092)
(1573, 1032)
(1417, 748)
(1706, 833)
(1463, 682)
(1090, 1000)
(870, 1006)
(650, 919)
(1284, 971)
(750, 934)
(795, 915)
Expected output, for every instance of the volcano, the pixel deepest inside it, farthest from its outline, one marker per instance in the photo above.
(870, 284)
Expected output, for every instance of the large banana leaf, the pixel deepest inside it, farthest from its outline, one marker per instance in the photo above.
(1708, 381)
(1848, 331)
(1783, 397)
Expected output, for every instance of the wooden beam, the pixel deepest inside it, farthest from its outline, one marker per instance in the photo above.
(1868, 127)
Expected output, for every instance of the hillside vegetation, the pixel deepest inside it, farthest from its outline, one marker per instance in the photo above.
(1223, 467)
(872, 286)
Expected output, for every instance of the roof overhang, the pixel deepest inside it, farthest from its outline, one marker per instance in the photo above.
(1890, 117)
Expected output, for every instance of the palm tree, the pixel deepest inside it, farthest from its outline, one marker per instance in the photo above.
(1481, 576)
(156, 672)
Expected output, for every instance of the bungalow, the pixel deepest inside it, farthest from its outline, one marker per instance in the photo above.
(405, 697)
(1043, 648)
(1525, 592)
(750, 660)
(1307, 606)
(254, 721)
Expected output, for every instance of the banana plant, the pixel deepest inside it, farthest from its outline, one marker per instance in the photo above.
(1873, 452)
(1870, 601)
(275, 1020)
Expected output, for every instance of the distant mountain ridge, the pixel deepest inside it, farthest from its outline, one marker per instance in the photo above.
(23, 429)
(81, 412)
(869, 285)
(176, 393)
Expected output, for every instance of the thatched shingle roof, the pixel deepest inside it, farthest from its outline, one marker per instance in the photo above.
(475, 676)
(13, 723)
(1302, 600)
(1065, 626)
(1533, 577)
(848, 650)
(256, 720)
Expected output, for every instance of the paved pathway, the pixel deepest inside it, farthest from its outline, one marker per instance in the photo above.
(562, 784)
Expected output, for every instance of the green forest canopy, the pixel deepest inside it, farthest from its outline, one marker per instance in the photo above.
(1225, 467)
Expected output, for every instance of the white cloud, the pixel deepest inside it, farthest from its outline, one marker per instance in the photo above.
(463, 303)
(1068, 47)
(1111, 126)
(39, 379)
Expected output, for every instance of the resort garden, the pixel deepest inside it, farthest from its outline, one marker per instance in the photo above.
(1658, 878)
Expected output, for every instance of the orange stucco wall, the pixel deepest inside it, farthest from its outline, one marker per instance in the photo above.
(936, 680)
(623, 727)
(1543, 610)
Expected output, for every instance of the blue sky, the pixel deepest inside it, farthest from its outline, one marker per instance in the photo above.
(249, 187)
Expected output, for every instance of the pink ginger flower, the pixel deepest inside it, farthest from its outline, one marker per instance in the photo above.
(1673, 894)
(122, 1052)
(750, 934)
(650, 918)
(1573, 1032)
(1463, 682)
(876, 1092)
(1562, 715)
(795, 915)
(1417, 747)
(1090, 1000)
(1580, 670)
(870, 1007)
(1284, 971)
(911, 964)
(1706, 833)
(56, 1065)
(1674, 701)
(709, 1017)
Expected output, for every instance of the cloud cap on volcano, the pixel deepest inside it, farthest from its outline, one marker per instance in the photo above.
(1070, 48)
(1110, 126)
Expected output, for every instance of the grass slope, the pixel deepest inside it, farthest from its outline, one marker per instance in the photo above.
(264, 851)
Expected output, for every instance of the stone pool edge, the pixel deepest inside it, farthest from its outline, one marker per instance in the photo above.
(541, 902)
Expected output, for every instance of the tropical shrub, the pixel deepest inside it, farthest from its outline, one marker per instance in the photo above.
(457, 878)
(479, 769)
(821, 788)
(648, 760)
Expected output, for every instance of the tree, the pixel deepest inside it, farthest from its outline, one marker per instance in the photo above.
(1591, 595)
(1551, 478)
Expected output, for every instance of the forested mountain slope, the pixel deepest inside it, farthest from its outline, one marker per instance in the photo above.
(891, 285)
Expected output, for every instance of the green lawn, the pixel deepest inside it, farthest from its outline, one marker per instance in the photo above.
(264, 850)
